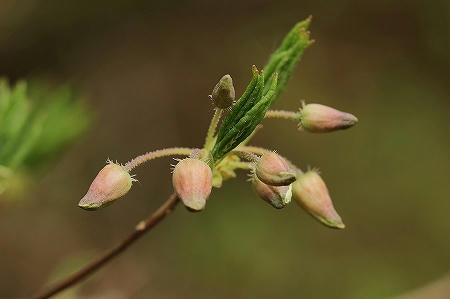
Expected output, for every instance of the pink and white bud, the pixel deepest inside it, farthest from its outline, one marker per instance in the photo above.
(111, 183)
(273, 170)
(277, 196)
(192, 181)
(311, 193)
(319, 118)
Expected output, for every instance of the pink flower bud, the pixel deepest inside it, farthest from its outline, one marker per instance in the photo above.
(273, 170)
(192, 181)
(319, 119)
(277, 197)
(223, 93)
(112, 182)
(312, 194)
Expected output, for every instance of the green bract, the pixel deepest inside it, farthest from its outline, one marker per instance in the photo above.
(264, 88)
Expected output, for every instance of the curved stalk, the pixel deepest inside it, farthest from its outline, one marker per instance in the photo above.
(173, 151)
(209, 142)
(241, 165)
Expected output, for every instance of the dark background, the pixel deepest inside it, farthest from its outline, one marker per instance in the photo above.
(147, 68)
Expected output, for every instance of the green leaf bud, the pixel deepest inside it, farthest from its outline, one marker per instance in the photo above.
(223, 93)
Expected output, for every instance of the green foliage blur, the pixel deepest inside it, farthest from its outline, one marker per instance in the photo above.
(36, 123)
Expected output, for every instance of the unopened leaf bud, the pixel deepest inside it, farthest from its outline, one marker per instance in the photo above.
(273, 170)
(277, 196)
(223, 93)
(311, 193)
(319, 118)
(192, 181)
(111, 183)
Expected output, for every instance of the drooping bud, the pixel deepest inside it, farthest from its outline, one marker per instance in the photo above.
(319, 118)
(311, 193)
(273, 170)
(111, 183)
(277, 196)
(192, 181)
(223, 93)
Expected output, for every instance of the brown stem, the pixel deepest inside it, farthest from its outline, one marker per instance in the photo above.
(142, 227)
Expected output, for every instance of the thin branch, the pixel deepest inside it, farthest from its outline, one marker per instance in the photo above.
(142, 227)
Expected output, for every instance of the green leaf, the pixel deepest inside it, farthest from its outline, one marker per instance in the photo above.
(234, 128)
(262, 91)
(286, 57)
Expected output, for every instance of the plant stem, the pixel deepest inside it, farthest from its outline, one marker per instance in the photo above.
(173, 151)
(241, 165)
(142, 227)
(289, 115)
(254, 149)
(212, 129)
(245, 155)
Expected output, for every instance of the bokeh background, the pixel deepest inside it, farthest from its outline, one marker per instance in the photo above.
(147, 68)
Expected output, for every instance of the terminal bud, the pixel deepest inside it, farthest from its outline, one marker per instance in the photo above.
(319, 118)
(223, 93)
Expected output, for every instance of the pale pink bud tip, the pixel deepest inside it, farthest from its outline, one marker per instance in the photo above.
(311, 193)
(111, 183)
(277, 197)
(192, 181)
(319, 118)
(273, 170)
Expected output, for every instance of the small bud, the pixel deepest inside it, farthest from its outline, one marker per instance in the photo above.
(311, 193)
(223, 93)
(111, 183)
(319, 119)
(277, 197)
(273, 170)
(192, 181)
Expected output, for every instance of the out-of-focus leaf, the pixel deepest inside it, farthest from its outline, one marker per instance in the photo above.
(36, 123)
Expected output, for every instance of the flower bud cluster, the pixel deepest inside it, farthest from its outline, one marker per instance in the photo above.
(276, 182)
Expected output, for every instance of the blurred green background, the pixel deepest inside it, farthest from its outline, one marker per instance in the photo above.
(148, 66)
